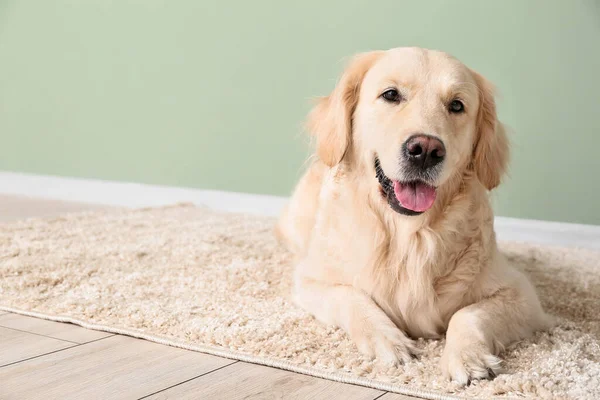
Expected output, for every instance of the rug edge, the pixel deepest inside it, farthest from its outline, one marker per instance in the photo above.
(232, 355)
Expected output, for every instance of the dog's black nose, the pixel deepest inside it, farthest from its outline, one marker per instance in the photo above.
(424, 151)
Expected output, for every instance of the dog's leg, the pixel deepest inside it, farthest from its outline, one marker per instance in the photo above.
(355, 312)
(478, 332)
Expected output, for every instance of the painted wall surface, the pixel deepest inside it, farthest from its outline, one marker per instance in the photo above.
(212, 94)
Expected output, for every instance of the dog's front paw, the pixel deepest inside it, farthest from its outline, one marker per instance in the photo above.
(463, 363)
(385, 342)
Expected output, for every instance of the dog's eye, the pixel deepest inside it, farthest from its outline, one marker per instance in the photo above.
(456, 106)
(391, 95)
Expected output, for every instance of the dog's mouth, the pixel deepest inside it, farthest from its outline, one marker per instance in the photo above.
(407, 198)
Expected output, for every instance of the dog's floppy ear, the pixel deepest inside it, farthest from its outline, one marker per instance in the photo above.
(330, 122)
(491, 151)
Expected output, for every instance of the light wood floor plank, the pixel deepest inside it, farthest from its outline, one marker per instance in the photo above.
(14, 207)
(69, 332)
(249, 381)
(117, 367)
(395, 396)
(16, 346)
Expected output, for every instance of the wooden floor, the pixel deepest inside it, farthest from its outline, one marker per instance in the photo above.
(48, 360)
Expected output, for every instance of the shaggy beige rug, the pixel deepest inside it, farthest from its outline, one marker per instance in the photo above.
(220, 284)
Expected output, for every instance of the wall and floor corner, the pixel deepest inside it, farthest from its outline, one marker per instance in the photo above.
(18, 187)
(212, 94)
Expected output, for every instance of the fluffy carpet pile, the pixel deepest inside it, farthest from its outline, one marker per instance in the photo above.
(220, 283)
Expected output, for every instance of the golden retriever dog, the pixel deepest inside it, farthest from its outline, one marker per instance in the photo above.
(391, 223)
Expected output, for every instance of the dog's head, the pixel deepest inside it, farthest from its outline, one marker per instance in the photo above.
(417, 119)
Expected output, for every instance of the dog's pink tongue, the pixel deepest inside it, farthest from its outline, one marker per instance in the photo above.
(417, 197)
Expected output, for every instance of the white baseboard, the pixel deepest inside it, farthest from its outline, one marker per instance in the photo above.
(134, 194)
(142, 195)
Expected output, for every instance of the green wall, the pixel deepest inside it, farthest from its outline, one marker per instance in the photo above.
(212, 94)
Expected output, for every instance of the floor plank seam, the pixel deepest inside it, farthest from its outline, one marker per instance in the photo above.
(55, 351)
(39, 334)
(187, 380)
(381, 395)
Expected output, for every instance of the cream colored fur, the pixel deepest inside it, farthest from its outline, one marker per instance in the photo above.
(387, 278)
